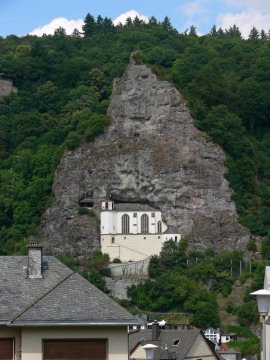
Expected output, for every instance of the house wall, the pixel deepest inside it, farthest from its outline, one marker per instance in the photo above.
(131, 247)
(32, 339)
(15, 333)
(212, 334)
(111, 221)
(174, 237)
(138, 354)
(130, 269)
(200, 350)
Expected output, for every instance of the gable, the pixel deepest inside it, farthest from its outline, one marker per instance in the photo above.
(200, 349)
(138, 353)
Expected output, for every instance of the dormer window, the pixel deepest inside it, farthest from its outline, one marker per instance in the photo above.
(176, 342)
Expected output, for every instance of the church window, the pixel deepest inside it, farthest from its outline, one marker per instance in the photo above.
(134, 215)
(112, 240)
(144, 224)
(153, 214)
(159, 227)
(125, 224)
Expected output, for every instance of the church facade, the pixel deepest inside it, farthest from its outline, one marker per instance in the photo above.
(133, 231)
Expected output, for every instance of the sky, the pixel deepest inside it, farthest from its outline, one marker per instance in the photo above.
(21, 17)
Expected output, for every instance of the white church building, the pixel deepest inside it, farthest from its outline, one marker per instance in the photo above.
(133, 231)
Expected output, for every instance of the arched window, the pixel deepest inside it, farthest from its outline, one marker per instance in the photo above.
(144, 224)
(125, 224)
(159, 227)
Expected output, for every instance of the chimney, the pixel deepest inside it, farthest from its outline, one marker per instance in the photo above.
(34, 261)
(155, 330)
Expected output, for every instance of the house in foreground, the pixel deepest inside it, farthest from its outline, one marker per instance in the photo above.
(174, 342)
(48, 312)
(133, 231)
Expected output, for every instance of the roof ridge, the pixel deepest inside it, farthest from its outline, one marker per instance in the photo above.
(42, 297)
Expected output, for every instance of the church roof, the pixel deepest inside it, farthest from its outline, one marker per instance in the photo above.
(171, 230)
(133, 207)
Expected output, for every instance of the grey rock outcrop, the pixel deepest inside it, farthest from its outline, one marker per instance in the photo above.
(118, 288)
(150, 153)
(6, 87)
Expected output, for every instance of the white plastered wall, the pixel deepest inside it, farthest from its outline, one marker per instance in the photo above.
(138, 354)
(32, 339)
(14, 333)
(111, 221)
(131, 247)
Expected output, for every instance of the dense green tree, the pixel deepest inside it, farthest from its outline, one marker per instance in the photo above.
(265, 248)
(213, 31)
(89, 27)
(254, 34)
(192, 31)
(234, 32)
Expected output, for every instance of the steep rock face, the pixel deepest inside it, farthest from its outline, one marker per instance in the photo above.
(152, 153)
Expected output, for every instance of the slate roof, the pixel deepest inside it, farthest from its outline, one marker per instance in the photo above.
(61, 297)
(133, 207)
(165, 340)
(171, 230)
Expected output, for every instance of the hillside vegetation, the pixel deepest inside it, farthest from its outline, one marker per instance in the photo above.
(64, 87)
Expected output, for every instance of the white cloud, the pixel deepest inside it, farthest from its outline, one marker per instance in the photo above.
(250, 5)
(132, 14)
(195, 13)
(68, 25)
(245, 21)
(192, 8)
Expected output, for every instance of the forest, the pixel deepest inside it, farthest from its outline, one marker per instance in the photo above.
(64, 84)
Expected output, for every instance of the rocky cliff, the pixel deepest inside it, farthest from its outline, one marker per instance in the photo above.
(150, 153)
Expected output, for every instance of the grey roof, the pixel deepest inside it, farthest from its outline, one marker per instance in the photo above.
(229, 351)
(165, 339)
(171, 230)
(222, 354)
(60, 297)
(133, 207)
